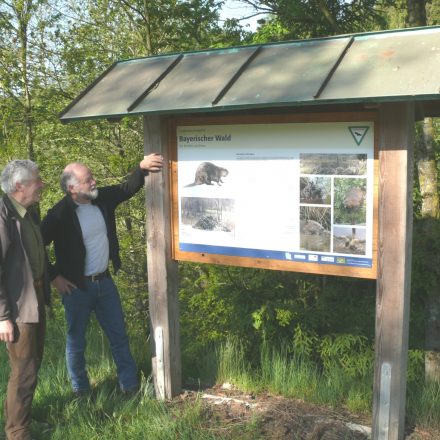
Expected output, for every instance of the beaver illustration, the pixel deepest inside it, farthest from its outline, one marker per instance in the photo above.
(207, 173)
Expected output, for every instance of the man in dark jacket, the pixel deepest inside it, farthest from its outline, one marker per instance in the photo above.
(83, 229)
(24, 291)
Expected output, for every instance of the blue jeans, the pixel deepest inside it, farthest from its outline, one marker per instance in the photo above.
(101, 297)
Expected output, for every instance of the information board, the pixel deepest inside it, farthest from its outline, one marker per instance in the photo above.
(291, 196)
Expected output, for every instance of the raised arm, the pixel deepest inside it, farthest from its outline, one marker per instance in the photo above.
(116, 194)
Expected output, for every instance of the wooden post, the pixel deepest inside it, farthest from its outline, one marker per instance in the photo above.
(162, 270)
(396, 125)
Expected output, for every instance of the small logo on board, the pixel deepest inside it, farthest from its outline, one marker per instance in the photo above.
(358, 133)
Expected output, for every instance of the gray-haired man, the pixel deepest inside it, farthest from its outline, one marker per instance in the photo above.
(82, 227)
(24, 291)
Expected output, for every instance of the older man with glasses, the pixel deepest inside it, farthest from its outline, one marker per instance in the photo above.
(82, 228)
(24, 291)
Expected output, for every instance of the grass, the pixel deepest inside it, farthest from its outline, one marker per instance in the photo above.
(281, 373)
(423, 405)
(107, 414)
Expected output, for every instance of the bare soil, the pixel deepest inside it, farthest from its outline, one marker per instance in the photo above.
(279, 418)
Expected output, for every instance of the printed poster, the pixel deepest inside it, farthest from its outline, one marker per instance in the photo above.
(299, 191)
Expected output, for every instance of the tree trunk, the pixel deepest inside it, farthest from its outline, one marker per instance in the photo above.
(430, 212)
(23, 14)
(432, 341)
(416, 13)
(148, 45)
(323, 6)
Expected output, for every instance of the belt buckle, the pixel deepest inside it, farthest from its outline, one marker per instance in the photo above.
(98, 276)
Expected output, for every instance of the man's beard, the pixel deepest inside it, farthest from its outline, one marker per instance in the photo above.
(90, 195)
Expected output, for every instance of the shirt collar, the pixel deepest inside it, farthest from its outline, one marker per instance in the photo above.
(21, 210)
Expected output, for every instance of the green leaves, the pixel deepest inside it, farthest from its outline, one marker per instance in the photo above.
(353, 354)
(291, 19)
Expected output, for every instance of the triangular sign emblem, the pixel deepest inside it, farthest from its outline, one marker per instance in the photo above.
(358, 133)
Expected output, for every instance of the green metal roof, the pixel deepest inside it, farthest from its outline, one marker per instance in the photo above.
(399, 65)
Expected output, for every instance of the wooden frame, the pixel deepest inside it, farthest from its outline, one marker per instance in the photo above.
(306, 267)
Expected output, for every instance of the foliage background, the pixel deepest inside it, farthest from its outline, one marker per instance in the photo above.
(50, 50)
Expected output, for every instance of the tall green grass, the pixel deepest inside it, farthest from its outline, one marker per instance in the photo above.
(423, 405)
(281, 372)
(106, 413)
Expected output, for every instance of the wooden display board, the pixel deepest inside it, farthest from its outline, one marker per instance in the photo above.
(284, 192)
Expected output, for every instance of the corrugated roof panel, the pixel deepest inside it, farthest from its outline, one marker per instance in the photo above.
(119, 88)
(381, 66)
(404, 63)
(286, 73)
(196, 81)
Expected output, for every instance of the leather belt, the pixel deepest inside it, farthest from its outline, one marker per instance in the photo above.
(98, 276)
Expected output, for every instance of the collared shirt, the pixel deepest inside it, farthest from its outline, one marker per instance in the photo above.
(31, 238)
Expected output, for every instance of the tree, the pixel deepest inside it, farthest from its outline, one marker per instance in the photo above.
(15, 85)
(321, 17)
(316, 18)
(428, 225)
(91, 35)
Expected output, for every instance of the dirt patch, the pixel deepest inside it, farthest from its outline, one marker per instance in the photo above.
(288, 419)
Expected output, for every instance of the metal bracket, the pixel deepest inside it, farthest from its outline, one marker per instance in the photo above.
(160, 370)
(384, 401)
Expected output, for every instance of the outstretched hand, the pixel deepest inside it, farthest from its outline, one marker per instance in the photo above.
(152, 162)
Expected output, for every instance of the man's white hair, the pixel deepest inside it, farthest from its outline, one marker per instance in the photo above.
(67, 178)
(17, 171)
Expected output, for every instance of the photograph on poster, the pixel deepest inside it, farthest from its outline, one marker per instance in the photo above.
(315, 228)
(333, 164)
(201, 216)
(349, 240)
(315, 190)
(349, 201)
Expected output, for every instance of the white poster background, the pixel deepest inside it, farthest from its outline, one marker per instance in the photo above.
(263, 181)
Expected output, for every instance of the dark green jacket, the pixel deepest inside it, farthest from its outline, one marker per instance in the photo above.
(18, 299)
